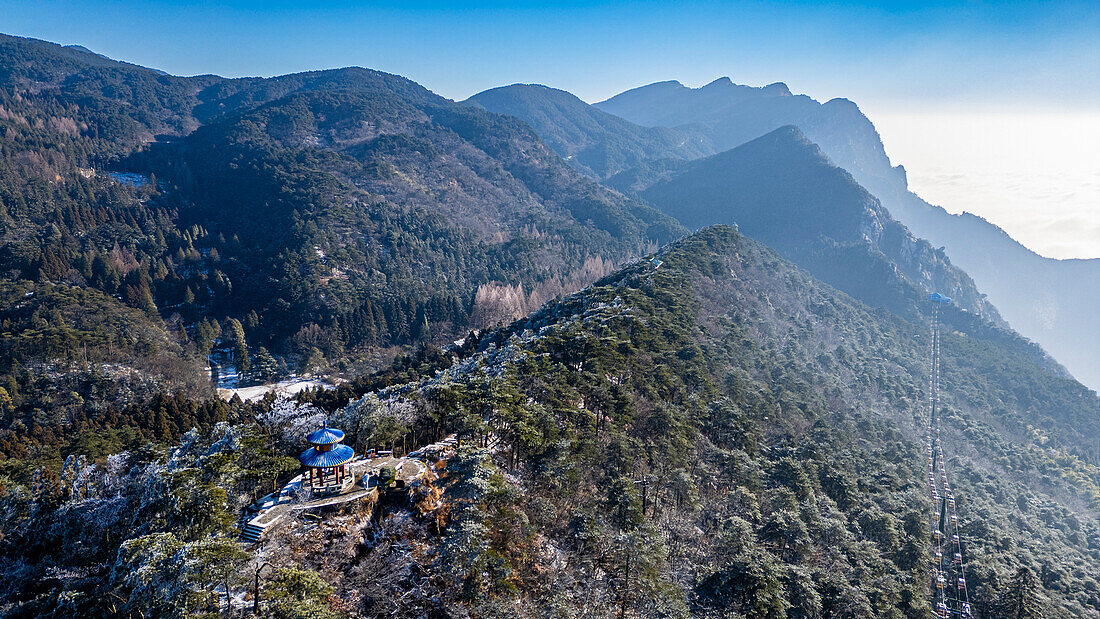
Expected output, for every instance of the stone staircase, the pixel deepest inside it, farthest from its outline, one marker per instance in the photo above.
(251, 532)
(266, 512)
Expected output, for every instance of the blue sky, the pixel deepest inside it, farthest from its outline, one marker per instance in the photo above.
(1037, 53)
(904, 63)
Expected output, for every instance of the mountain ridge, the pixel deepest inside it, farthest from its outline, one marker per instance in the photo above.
(1034, 294)
(782, 189)
(596, 142)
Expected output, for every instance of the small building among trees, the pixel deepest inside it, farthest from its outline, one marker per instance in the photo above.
(326, 461)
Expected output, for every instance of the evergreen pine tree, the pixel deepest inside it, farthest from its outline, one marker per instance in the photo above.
(1021, 599)
(235, 334)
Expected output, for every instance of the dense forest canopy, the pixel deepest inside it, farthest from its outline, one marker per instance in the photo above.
(703, 378)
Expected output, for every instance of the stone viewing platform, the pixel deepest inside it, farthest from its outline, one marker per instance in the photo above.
(337, 482)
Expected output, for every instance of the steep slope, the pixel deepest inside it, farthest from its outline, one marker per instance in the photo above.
(68, 352)
(352, 203)
(594, 141)
(379, 214)
(720, 434)
(782, 190)
(704, 377)
(1053, 302)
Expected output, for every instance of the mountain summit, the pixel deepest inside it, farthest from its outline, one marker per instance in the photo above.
(671, 104)
(596, 142)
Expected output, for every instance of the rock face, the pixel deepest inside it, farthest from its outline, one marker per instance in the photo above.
(1054, 302)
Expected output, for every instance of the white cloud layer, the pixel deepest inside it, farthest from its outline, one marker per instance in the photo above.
(1035, 174)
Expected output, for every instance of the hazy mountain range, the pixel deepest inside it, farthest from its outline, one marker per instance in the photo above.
(1053, 302)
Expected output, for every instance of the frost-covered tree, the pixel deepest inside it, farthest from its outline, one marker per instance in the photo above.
(1021, 600)
(296, 593)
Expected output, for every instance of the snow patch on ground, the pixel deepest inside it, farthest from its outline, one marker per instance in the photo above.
(284, 388)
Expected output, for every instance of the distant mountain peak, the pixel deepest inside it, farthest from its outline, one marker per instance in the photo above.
(593, 141)
(788, 140)
(777, 89)
(671, 104)
(841, 102)
(543, 88)
(782, 189)
(790, 131)
(725, 84)
(722, 82)
(664, 84)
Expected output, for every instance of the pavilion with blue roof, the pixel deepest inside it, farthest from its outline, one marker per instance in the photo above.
(326, 460)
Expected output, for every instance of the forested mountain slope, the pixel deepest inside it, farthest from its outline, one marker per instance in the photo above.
(781, 189)
(653, 461)
(1053, 302)
(471, 175)
(317, 222)
(321, 215)
(377, 214)
(705, 376)
(594, 141)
